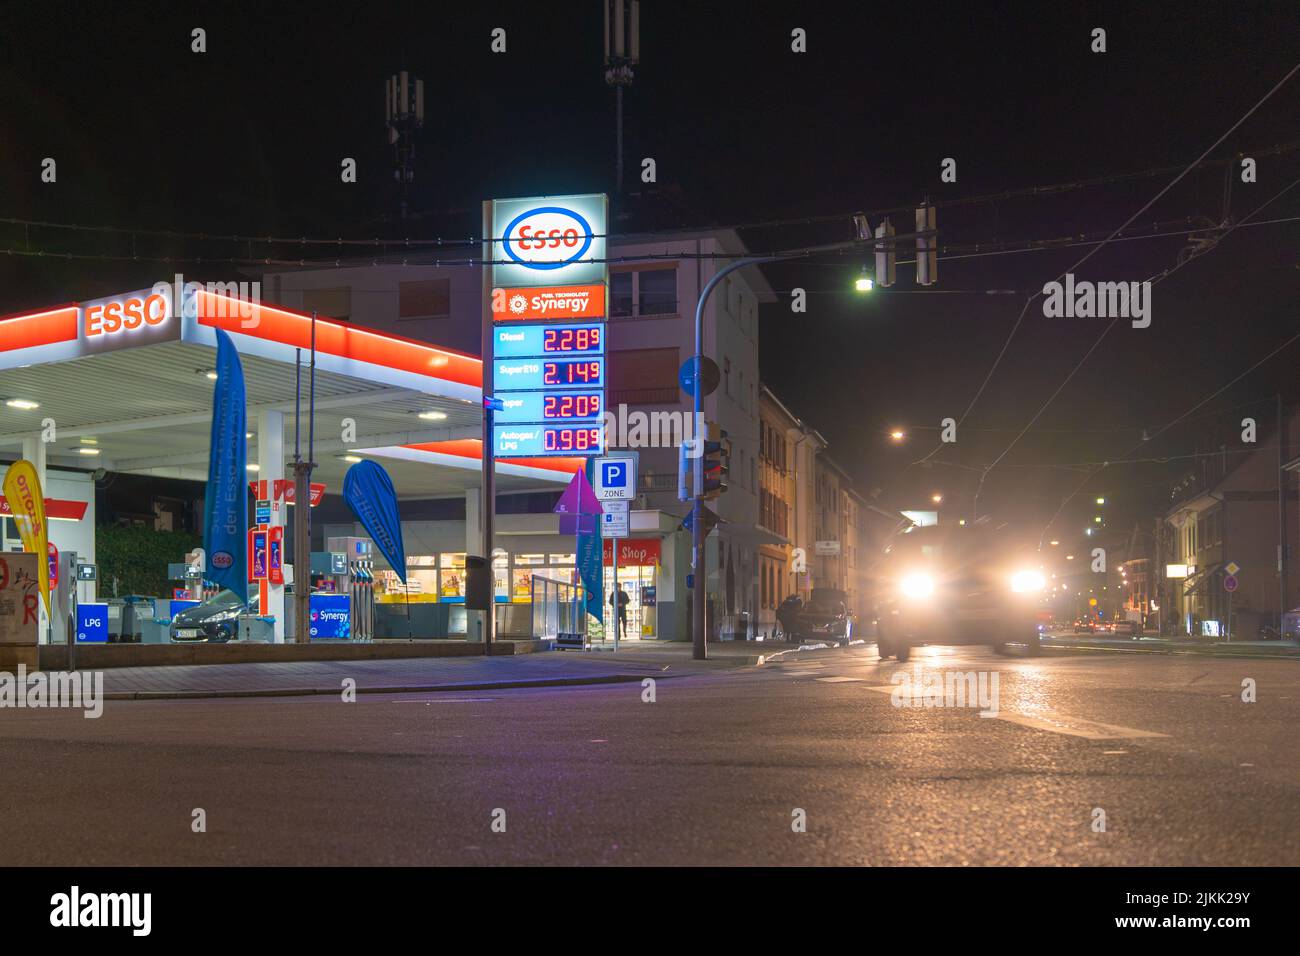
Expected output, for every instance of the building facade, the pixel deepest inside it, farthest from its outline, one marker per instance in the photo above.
(1229, 540)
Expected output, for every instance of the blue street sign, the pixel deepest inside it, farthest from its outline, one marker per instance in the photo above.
(613, 474)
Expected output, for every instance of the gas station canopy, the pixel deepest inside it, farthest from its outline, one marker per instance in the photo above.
(126, 384)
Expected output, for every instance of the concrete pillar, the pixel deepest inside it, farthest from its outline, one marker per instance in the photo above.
(270, 466)
(34, 451)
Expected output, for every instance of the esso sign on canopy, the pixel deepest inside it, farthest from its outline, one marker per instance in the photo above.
(125, 315)
(547, 237)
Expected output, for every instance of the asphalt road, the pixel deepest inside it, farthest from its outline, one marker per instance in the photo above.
(712, 772)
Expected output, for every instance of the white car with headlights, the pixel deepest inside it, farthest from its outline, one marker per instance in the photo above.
(956, 584)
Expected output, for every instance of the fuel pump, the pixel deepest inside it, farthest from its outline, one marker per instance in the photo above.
(356, 579)
(364, 600)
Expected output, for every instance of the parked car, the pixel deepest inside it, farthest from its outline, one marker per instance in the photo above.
(1132, 629)
(825, 616)
(959, 584)
(215, 621)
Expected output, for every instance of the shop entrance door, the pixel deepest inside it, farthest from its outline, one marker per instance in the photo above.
(639, 585)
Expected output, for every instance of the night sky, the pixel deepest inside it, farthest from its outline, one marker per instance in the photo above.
(247, 138)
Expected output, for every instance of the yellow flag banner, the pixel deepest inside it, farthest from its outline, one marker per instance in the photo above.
(22, 489)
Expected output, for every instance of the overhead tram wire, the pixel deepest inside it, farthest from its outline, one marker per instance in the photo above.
(980, 250)
(1092, 252)
(821, 219)
(1209, 398)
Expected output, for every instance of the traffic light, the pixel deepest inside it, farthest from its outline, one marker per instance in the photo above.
(686, 456)
(716, 463)
(927, 247)
(885, 255)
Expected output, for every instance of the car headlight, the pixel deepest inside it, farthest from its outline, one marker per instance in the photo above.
(1025, 581)
(224, 616)
(917, 585)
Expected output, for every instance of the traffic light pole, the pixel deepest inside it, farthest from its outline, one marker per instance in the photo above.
(700, 651)
(697, 490)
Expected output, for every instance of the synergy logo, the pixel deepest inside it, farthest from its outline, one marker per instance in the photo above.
(547, 237)
(561, 302)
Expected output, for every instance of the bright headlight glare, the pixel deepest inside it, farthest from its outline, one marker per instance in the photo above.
(917, 585)
(1023, 581)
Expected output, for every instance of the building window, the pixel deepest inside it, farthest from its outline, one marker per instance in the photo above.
(643, 291)
(620, 294)
(424, 299)
(657, 294)
(644, 377)
(333, 303)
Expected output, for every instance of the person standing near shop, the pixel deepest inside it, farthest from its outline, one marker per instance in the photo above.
(619, 599)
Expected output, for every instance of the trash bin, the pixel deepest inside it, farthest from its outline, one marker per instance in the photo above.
(115, 606)
(135, 608)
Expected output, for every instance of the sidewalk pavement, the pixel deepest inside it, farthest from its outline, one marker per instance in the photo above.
(633, 662)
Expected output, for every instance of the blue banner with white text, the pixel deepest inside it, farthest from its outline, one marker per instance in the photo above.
(225, 505)
(591, 560)
(369, 493)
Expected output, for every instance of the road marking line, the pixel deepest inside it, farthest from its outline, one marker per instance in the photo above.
(839, 680)
(1078, 727)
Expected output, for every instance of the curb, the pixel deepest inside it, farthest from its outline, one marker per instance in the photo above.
(1216, 650)
(409, 689)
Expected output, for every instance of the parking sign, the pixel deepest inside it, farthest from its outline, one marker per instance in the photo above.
(615, 479)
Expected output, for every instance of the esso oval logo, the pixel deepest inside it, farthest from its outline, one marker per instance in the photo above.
(222, 560)
(547, 237)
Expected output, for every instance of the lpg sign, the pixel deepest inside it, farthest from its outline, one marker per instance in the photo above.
(549, 240)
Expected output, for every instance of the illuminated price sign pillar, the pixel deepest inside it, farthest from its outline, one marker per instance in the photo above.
(548, 326)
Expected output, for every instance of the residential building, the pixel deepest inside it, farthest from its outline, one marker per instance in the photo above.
(1226, 514)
